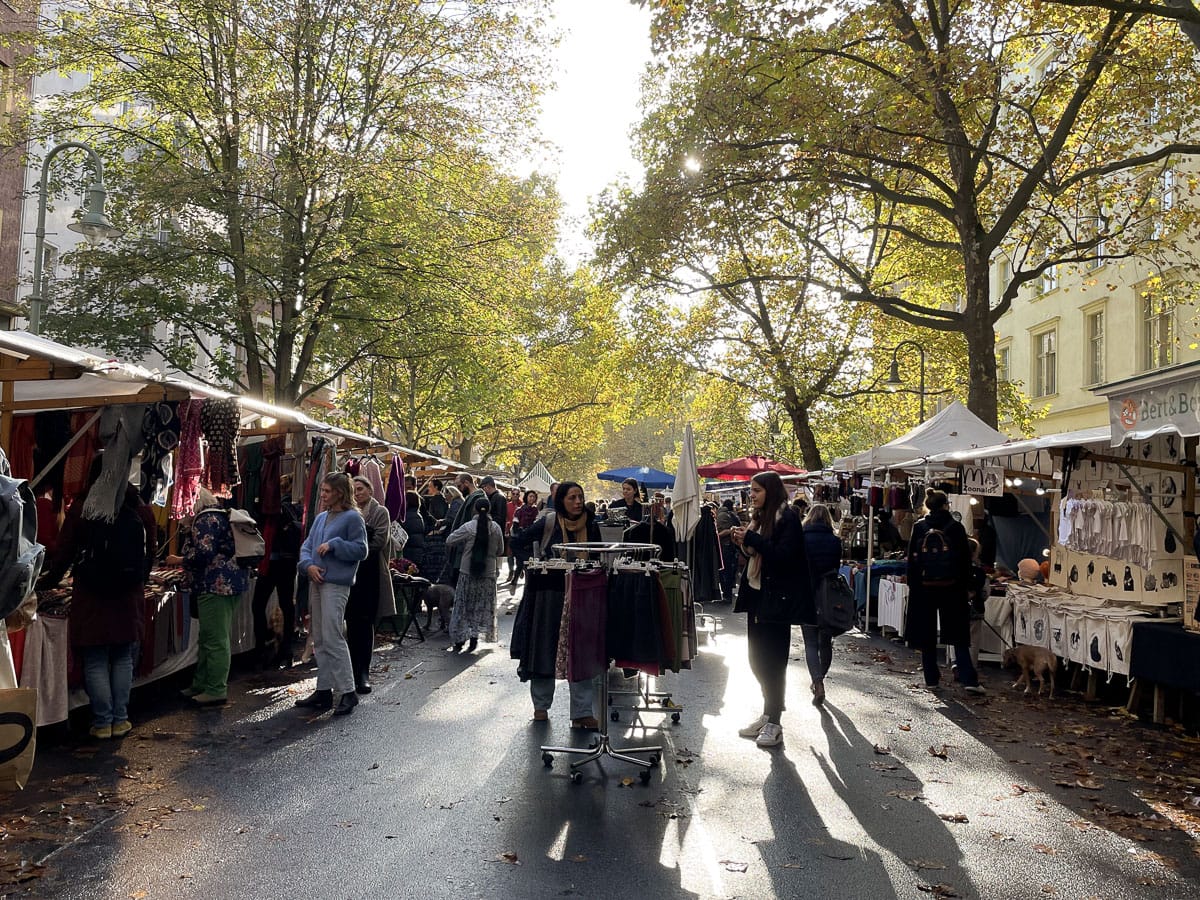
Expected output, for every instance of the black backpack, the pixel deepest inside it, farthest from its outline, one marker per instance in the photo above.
(935, 560)
(835, 603)
(113, 554)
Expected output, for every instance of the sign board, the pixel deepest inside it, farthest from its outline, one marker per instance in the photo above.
(983, 481)
(1142, 413)
(1191, 593)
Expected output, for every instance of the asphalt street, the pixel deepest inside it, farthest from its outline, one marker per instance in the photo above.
(435, 787)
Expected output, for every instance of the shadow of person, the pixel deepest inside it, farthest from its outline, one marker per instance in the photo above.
(803, 852)
(886, 807)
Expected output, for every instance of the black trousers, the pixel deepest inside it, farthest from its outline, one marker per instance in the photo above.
(281, 579)
(360, 638)
(770, 643)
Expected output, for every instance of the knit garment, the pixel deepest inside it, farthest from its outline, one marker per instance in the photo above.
(120, 432)
(395, 500)
(189, 464)
(374, 474)
(221, 421)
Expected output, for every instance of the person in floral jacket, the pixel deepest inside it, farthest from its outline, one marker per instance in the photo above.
(217, 582)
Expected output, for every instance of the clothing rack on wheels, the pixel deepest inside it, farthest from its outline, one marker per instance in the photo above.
(607, 557)
(645, 698)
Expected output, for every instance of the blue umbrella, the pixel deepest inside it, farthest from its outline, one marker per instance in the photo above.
(651, 478)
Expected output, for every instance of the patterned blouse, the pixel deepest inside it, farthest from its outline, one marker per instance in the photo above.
(210, 559)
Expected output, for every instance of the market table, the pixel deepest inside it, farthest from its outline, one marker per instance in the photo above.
(1166, 655)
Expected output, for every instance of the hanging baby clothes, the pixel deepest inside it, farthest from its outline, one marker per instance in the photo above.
(189, 463)
(221, 421)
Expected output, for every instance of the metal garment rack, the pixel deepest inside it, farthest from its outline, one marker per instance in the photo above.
(642, 692)
(606, 555)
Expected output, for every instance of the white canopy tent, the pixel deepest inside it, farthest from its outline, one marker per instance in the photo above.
(539, 479)
(954, 428)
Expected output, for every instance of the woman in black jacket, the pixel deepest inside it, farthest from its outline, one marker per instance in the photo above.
(824, 550)
(939, 579)
(535, 632)
(416, 526)
(775, 593)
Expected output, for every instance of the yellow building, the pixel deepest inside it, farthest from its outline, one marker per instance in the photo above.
(1084, 325)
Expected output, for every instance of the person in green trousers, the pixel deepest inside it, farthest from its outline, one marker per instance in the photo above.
(210, 559)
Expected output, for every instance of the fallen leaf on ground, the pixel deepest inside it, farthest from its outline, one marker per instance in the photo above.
(626, 782)
(938, 890)
(579, 857)
(906, 795)
(939, 752)
(510, 858)
(1090, 784)
(1019, 789)
(925, 864)
(882, 749)
(904, 727)
(732, 866)
(1048, 889)
(953, 817)
(1044, 849)
(1000, 836)
(792, 866)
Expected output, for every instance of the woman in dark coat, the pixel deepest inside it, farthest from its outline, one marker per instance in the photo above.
(824, 550)
(414, 523)
(524, 516)
(371, 596)
(775, 593)
(107, 609)
(926, 602)
(536, 626)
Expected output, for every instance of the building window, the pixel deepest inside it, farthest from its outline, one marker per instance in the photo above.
(1158, 333)
(1095, 347)
(1003, 362)
(1048, 281)
(1097, 228)
(1045, 375)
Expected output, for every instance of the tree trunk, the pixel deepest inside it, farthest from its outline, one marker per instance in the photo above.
(802, 428)
(979, 331)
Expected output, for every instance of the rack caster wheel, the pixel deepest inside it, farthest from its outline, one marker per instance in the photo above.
(675, 718)
(576, 777)
(653, 762)
(615, 716)
(645, 776)
(547, 760)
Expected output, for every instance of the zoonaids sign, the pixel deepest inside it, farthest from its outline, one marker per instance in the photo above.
(1140, 413)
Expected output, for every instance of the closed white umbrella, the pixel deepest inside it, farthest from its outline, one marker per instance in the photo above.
(685, 496)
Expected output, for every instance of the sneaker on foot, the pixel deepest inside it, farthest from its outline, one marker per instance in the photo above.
(209, 700)
(770, 736)
(752, 730)
(975, 689)
(120, 729)
(189, 692)
(101, 732)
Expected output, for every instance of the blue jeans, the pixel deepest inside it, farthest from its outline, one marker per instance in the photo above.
(107, 678)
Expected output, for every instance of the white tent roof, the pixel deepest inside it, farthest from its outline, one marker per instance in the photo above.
(1029, 455)
(539, 479)
(954, 428)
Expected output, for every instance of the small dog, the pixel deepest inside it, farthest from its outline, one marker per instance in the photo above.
(1034, 662)
(441, 598)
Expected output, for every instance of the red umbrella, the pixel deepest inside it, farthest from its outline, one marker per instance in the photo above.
(746, 467)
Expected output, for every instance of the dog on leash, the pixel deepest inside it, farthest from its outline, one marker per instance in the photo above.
(438, 597)
(1034, 662)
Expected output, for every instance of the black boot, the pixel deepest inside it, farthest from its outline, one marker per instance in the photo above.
(346, 704)
(472, 644)
(317, 700)
(362, 686)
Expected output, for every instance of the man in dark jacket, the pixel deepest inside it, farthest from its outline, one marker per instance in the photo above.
(497, 505)
(935, 595)
(472, 496)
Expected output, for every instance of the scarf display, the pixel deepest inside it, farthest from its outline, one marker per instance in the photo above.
(120, 433)
(160, 435)
(189, 465)
(221, 420)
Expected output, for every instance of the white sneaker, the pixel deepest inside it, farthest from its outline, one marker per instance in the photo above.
(770, 736)
(975, 689)
(752, 730)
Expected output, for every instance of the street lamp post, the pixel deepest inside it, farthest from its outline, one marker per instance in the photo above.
(894, 381)
(94, 225)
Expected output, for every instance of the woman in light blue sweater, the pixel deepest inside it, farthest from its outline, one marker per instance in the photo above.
(329, 558)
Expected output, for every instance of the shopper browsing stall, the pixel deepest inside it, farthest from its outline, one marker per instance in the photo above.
(939, 581)
(824, 549)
